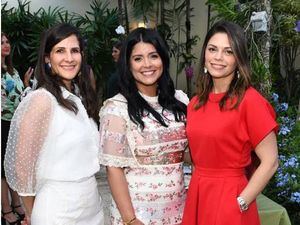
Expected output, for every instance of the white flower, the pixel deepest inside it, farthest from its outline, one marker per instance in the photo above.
(120, 30)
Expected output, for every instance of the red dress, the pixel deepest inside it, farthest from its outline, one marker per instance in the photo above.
(221, 143)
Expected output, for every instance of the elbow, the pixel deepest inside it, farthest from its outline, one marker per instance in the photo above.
(274, 166)
(270, 167)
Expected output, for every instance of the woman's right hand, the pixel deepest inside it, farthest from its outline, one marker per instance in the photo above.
(26, 220)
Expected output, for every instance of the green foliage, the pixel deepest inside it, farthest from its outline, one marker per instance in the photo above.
(144, 10)
(286, 42)
(285, 185)
(98, 26)
(25, 29)
(16, 23)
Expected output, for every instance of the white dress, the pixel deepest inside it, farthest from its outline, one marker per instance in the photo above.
(151, 158)
(52, 155)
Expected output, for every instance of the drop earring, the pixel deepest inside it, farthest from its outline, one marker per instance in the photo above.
(205, 70)
(238, 74)
(48, 67)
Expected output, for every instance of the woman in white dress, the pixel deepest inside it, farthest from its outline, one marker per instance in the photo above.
(142, 136)
(52, 148)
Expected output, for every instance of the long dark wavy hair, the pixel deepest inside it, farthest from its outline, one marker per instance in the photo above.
(53, 82)
(8, 61)
(137, 105)
(238, 85)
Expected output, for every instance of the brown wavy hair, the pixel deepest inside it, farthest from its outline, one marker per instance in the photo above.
(8, 61)
(238, 86)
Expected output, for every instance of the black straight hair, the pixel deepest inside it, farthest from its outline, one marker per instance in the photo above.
(137, 105)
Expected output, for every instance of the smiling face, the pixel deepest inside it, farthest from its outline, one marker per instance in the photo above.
(219, 58)
(5, 46)
(146, 67)
(65, 58)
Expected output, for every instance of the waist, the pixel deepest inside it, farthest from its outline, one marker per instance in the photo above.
(162, 159)
(216, 172)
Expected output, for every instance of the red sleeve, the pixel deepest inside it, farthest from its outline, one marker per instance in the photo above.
(259, 116)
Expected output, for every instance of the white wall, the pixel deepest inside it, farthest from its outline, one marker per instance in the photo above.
(77, 6)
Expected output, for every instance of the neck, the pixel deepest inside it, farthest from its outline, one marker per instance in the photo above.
(148, 91)
(221, 85)
(68, 86)
(3, 61)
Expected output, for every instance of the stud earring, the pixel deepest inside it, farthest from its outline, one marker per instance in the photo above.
(205, 70)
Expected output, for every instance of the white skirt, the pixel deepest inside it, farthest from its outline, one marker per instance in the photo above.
(68, 203)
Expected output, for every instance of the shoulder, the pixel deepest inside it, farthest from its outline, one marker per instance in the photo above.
(252, 96)
(40, 97)
(193, 102)
(15, 72)
(116, 105)
(38, 104)
(254, 103)
(181, 96)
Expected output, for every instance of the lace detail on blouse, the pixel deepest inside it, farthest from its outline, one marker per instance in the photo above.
(114, 147)
(28, 131)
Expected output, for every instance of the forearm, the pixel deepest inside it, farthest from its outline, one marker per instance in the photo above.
(28, 202)
(187, 157)
(259, 180)
(120, 193)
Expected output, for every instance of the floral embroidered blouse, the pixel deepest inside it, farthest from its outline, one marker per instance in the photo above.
(11, 90)
(152, 160)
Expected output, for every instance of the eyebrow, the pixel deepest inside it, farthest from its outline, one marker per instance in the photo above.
(155, 52)
(217, 46)
(61, 47)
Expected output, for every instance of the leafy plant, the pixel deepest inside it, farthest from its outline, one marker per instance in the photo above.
(285, 185)
(25, 29)
(16, 23)
(287, 42)
(98, 26)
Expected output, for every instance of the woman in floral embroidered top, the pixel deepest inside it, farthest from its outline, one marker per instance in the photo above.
(142, 136)
(11, 90)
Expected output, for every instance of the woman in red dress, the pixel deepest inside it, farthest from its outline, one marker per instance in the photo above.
(226, 120)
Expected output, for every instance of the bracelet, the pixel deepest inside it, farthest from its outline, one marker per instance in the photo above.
(242, 204)
(130, 221)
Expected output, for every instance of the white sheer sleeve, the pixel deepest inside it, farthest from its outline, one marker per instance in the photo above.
(181, 96)
(28, 131)
(114, 147)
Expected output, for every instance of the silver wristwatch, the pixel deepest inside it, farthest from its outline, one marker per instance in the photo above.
(242, 204)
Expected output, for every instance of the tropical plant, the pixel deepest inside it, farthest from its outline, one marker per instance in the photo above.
(17, 22)
(98, 26)
(25, 28)
(286, 40)
(44, 19)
